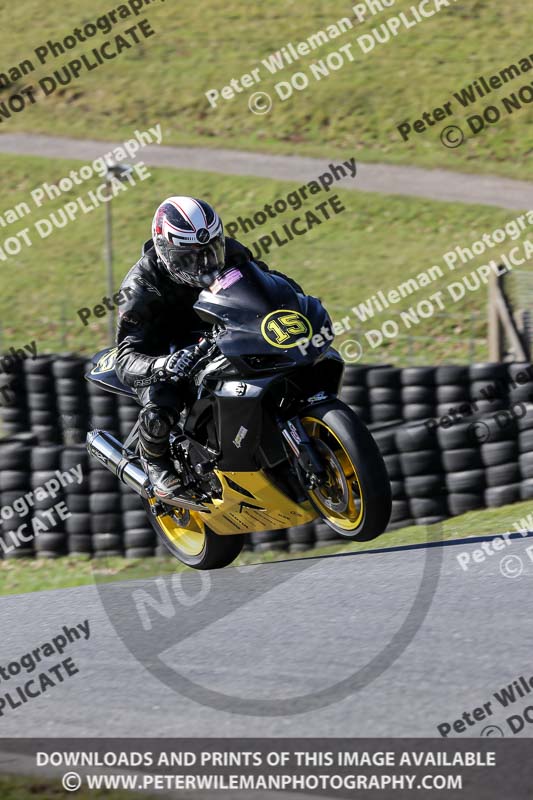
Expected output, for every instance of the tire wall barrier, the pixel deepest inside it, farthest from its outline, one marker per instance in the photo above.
(454, 439)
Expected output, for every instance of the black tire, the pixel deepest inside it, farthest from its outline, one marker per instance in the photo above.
(42, 365)
(425, 486)
(451, 374)
(388, 377)
(422, 507)
(14, 456)
(40, 384)
(101, 480)
(385, 440)
(526, 489)
(45, 458)
(80, 544)
(302, 534)
(488, 372)
(41, 402)
(520, 372)
(385, 412)
(525, 441)
(504, 475)
(400, 510)
(453, 395)
(78, 524)
(77, 503)
(326, 535)
(103, 405)
(108, 524)
(140, 537)
(397, 490)
(411, 438)
(462, 503)
(418, 395)
(418, 376)
(460, 460)
(526, 465)
(382, 394)
(11, 480)
(468, 481)
(494, 453)
(457, 436)
(217, 551)
(370, 469)
(68, 367)
(109, 543)
(130, 501)
(498, 496)
(354, 395)
(134, 519)
(525, 417)
(70, 386)
(421, 463)
(104, 503)
(355, 375)
(72, 456)
(393, 465)
(418, 412)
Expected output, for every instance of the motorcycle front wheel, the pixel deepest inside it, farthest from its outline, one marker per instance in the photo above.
(355, 499)
(192, 542)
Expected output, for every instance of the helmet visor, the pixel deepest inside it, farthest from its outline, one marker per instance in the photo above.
(199, 262)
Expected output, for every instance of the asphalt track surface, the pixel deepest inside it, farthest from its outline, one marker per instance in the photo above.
(240, 644)
(432, 184)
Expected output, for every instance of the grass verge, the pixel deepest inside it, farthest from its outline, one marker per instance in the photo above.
(354, 111)
(378, 242)
(18, 787)
(18, 577)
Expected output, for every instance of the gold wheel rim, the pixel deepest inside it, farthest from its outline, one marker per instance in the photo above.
(190, 540)
(342, 475)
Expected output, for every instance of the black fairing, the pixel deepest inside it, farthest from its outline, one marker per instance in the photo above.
(240, 310)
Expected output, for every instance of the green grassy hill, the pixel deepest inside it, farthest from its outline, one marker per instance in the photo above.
(378, 242)
(354, 112)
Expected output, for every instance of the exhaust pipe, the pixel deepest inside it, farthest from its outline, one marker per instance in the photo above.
(121, 462)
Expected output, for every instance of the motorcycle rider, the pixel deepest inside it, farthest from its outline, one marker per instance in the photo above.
(187, 253)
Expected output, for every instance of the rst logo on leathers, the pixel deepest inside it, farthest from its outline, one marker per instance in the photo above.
(285, 328)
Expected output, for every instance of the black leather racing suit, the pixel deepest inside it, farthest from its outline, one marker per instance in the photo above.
(158, 314)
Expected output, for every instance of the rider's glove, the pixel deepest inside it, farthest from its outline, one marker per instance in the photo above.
(176, 367)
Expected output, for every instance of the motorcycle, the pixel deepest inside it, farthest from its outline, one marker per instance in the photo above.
(262, 442)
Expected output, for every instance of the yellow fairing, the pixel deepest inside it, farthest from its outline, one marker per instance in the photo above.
(261, 506)
(249, 502)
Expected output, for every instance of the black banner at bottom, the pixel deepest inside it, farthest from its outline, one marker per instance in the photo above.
(480, 769)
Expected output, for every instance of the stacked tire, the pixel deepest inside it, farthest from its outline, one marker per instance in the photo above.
(13, 400)
(105, 510)
(265, 541)
(51, 537)
(452, 391)
(15, 481)
(418, 393)
(464, 474)
(71, 398)
(77, 499)
(301, 538)
(386, 442)
(499, 453)
(354, 391)
(423, 470)
(489, 387)
(43, 415)
(384, 394)
(525, 448)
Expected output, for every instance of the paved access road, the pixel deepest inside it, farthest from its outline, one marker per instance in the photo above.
(388, 644)
(433, 184)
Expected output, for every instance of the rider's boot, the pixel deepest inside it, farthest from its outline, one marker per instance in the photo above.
(154, 430)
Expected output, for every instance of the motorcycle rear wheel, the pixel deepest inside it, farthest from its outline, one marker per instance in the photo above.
(194, 545)
(356, 499)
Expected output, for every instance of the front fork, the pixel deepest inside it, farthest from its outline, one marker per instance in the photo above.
(306, 456)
